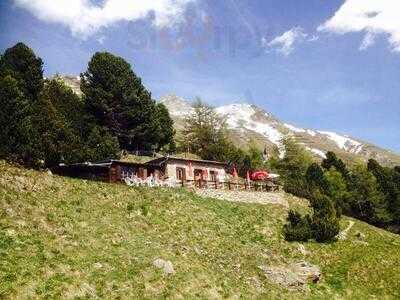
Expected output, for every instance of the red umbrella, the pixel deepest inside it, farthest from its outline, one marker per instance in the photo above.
(259, 175)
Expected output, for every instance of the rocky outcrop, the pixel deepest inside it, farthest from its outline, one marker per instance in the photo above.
(294, 276)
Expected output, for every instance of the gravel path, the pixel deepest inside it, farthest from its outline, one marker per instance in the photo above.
(343, 234)
(245, 196)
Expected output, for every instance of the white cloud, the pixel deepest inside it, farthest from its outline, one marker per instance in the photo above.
(85, 18)
(372, 17)
(285, 43)
(368, 41)
(313, 38)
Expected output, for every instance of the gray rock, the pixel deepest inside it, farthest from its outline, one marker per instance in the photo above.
(306, 271)
(165, 265)
(293, 276)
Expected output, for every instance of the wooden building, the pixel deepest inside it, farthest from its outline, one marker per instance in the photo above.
(179, 169)
(110, 171)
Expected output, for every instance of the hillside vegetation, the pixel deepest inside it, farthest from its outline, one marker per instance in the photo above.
(70, 238)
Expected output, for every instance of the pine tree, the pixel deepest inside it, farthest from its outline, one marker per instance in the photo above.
(15, 123)
(338, 191)
(297, 227)
(325, 221)
(293, 167)
(21, 63)
(68, 134)
(118, 101)
(366, 201)
(164, 129)
(331, 160)
(389, 185)
(316, 179)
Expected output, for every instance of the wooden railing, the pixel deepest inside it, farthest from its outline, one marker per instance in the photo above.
(229, 185)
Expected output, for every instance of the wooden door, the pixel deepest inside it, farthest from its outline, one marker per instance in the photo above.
(181, 174)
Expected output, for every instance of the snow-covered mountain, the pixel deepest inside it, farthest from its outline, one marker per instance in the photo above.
(248, 122)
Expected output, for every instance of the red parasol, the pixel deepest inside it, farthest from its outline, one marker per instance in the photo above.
(259, 175)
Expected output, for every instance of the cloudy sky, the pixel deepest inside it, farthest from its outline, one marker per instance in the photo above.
(331, 65)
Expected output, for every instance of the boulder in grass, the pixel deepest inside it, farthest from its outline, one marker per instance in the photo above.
(295, 276)
(165, 265)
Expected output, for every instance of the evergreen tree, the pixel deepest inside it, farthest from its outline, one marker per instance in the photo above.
(21, 63)
(68, 134)
(297, 227)
(293, 167)
(204, 132)
(118, 101)
(331, 160)
(322, 225)
(165, 131)
(100, 144)
(366, 201)
(316, 179)
(338, 191)
(16, 126)
(256, 157)
(388, 183)
(325, 221)
(56, 140)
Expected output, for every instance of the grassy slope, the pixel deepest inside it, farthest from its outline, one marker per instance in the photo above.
(72, 238)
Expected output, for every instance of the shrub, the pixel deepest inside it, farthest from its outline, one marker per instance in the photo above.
(325, 222)
(325, 229)
(297, 227)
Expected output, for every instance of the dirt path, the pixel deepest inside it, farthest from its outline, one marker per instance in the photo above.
(343, 234)
(245, 196)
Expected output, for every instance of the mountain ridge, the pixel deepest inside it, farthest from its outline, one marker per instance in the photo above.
(249, 122)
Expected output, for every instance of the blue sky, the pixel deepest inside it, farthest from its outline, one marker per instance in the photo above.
(329, 65)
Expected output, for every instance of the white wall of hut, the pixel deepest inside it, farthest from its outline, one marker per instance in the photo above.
(171, 170)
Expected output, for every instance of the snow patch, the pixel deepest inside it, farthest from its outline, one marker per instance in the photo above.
(240, 116)
(300, 130)
(177, 106)
(343, 142)
(317, 152)
(311, 132)
(293, 128)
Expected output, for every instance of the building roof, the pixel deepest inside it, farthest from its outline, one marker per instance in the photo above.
(162, 160)
(158, 162)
